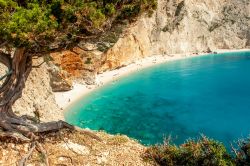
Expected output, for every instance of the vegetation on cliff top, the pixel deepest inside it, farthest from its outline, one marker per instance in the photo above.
(202, 152)
(25, 22)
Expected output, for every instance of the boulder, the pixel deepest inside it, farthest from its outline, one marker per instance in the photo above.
(58, 80)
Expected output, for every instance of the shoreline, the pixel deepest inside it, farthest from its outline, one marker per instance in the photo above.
(65, 99)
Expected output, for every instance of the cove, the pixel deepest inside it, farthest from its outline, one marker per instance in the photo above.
(207, 95)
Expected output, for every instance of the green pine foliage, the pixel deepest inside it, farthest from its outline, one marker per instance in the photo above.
(28, 22)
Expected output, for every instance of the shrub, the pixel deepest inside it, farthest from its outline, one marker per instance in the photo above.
(88, 61)
(242, 154)
(129, 11)
(109, 9)
(203, 152)
(97, 17)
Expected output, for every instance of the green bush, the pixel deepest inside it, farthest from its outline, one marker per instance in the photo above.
(129, 11)
(203, 152)
(97, 17)
(88, 61)
(109, 9)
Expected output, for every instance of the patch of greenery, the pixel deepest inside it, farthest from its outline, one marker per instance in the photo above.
(41, 157)
(39, 22)
(202, 152)
(88, 61)
(102, 47)
(109, 9)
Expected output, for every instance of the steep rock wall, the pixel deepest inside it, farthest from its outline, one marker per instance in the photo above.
(37, 98)
(184, 26)
(176, 27)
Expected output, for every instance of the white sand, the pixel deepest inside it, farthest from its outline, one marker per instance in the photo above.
(65, 99)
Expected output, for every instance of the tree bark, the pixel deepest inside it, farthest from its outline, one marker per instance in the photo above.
(12, 125)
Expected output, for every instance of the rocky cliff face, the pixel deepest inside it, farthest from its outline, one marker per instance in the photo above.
(37, 99)
(180, 26)
(184, 26)
(79, 64)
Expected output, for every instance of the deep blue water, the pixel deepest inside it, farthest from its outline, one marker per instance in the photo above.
(184, 98)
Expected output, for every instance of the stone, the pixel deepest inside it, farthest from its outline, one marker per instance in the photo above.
(58, 82)
(77, 65)
(79, 149)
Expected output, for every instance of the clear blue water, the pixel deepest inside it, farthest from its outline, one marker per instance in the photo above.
(203, 95)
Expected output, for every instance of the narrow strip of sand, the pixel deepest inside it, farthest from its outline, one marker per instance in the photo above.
(65, 99)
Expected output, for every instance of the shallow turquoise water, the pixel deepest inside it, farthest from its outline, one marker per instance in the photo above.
(184, 98)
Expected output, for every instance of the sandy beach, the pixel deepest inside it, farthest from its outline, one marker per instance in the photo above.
(65, 99)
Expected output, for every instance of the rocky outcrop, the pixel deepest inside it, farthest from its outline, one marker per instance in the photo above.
(183, 26)
(58, 79)
(78, 64)
(38, 99)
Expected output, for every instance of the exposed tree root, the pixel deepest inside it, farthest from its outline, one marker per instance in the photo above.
(23, 130)
(34, 145)
(43, 152)
(26, 157)
(89, 133)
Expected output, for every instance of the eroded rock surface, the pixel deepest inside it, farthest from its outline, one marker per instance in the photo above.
(58, 79)
(184, 26)
(38, 99)
(78, 64)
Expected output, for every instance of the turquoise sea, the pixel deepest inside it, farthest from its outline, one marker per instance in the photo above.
(202, 95)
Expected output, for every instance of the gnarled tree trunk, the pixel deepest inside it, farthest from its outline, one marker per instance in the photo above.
(20, 65)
